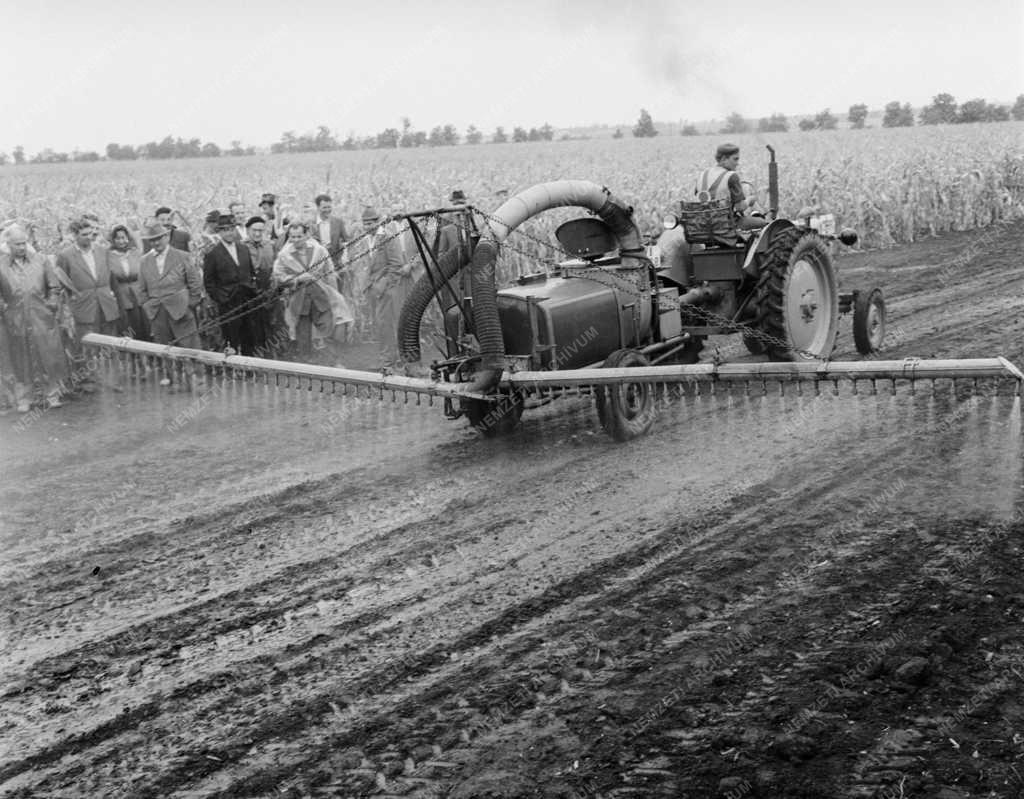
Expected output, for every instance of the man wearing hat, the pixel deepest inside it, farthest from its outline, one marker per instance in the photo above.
(389, 281)
(169, 291)
(230, 281)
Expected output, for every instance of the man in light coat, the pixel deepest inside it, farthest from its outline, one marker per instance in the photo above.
(169, 291)
(29, 299)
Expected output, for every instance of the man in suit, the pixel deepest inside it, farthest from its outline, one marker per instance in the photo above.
(169, 291)
(274, 222)
(87, 274)
(230, 282)
(262, 255)
(329, 230)
(179, 239)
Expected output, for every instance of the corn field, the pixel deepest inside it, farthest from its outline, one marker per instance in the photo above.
(892, 185)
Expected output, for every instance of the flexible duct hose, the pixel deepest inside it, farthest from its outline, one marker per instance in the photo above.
(419, 298)
(512, 213)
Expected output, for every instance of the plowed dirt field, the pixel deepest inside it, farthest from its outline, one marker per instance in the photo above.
(252, 592)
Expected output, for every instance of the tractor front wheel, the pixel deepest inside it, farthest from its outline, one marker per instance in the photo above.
(869, 321)
(626, 410)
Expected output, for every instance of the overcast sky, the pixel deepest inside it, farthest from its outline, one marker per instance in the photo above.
(85, 74)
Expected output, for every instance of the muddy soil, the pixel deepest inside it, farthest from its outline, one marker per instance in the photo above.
(257, 592)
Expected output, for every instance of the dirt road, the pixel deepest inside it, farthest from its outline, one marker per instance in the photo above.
(258, 593)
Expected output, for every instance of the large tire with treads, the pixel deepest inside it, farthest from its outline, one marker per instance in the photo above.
(626, 411)
(797, 297)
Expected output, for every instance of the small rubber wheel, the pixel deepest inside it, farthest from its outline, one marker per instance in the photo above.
(626, 410)
(493, 419)
(869, 321)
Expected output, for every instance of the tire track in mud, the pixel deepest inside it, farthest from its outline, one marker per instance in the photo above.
(207, 762)
(638, 589)
(644, 588)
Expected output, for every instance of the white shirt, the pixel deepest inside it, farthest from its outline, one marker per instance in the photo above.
(125, 265)
(160, 261)
(231, 248)
(90, 260)
(325, 232)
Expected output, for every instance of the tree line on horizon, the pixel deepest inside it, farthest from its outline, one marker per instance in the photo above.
(943, 110)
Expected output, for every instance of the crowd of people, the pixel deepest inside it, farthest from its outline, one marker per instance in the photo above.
(259, 285)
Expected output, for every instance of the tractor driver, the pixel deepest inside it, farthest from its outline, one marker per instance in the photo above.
(722, 182)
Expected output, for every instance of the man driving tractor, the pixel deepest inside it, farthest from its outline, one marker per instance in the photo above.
(722, 182)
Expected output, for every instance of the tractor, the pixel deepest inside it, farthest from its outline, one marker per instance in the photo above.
(614, 304)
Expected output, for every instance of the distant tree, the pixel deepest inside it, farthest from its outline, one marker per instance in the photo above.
(436, 137)
(534, 135)
(807, 124)
(3, 159)
(18, 153)
(898, 116)
(324, 139)
(976, 110)
(825, 120)
(857, 115)
(644, 128)
(410, 137)
(689, 130)
(87, 156)
(450, 135)
(998, 113)
(473, 136)
(1017, 112)
(735, 123)
(236, 148)
(499, 136)
(519, 134)
(942, 111)
(350, 143)
(617, 134)
(49, 156)
(117, 152)
(547, 133)
(776, 123)
(388, 139)
(210, 150)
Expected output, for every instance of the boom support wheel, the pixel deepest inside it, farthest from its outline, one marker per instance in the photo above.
(626, 411)
(493, 419)
(869, 321)
(798, 297)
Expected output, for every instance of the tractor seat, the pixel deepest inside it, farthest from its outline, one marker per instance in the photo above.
(709, 223)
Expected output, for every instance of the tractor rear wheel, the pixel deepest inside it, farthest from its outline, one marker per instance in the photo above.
(626, 411)
(869, 321)
(798, 297)
(493, 419)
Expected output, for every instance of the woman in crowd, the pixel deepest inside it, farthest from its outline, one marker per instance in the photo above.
(123, 260)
